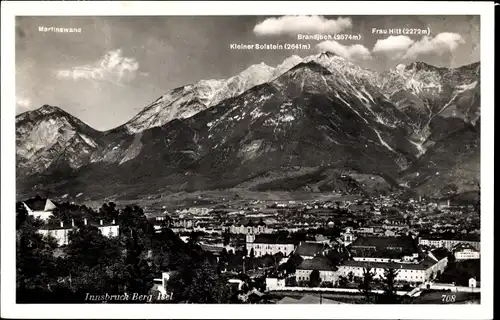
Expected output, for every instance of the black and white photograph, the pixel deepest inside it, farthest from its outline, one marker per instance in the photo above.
(227, 159)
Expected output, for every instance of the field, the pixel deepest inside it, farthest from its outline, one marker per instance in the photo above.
(232, 197)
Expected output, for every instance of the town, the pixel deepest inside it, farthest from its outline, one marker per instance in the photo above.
(315, 251)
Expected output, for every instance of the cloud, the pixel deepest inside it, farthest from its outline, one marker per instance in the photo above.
(393, 47)
(441, 44)
(292, 25)
(353, 52)
(22, 104)
(113, 67)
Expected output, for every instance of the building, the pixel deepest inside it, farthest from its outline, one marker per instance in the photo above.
(273, 283)
(419, 272)
(40, 208)
(473, 283)
(399, 253)
(347, 236)
(60, 231)
(440, 255)
(465, 251)
(384, 249)
(161, 285)
(108, 228)
(327, 271)
(249, 227)
(160, 221)
(184, 223)
(437, 242)
(263, 244)
(308, 250)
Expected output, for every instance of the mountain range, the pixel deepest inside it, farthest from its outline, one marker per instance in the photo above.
(319, 123)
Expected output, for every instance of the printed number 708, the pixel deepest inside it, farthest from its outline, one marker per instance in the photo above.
(448, 298)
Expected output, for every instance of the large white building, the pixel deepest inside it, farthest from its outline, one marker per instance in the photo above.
(60, 231)
(414, 272)
(327, 272)
(378, 254)
(465, 251)
(449, 244)
(271, 244)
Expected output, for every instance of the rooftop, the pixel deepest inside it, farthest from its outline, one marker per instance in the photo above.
(440, 253)
(310, 249)
(426, 263)
(272, 239)
(54, 225)
(39, 204)
(317, 263)
(402, 243)
(464, 246)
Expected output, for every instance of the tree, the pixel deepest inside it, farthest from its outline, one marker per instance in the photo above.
(21, 214)
(87, 246)
(200, 284)
(290, 266)
(138, 277)
(94, 263)
(388, 281)
(252, 254)
(226, 238)
(132, 218)
(350, 276)
(108, 211)
(366, 284)
(62, 214)
(36, 269)
(314, 279)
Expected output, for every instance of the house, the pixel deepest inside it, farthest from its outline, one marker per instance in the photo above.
(273, 283)
(39, 208)
(263, 244)
(308, 250)
(327, 271)
(161, 285)
(473, 283)
(107, 228)
(60, 231)
(465, 251)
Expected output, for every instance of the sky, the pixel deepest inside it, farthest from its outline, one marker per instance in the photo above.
(112, 67)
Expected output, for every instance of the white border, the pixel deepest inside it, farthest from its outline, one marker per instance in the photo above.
(11, 310)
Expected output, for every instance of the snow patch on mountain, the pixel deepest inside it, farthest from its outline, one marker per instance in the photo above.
(88, 140)
(420, 148)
